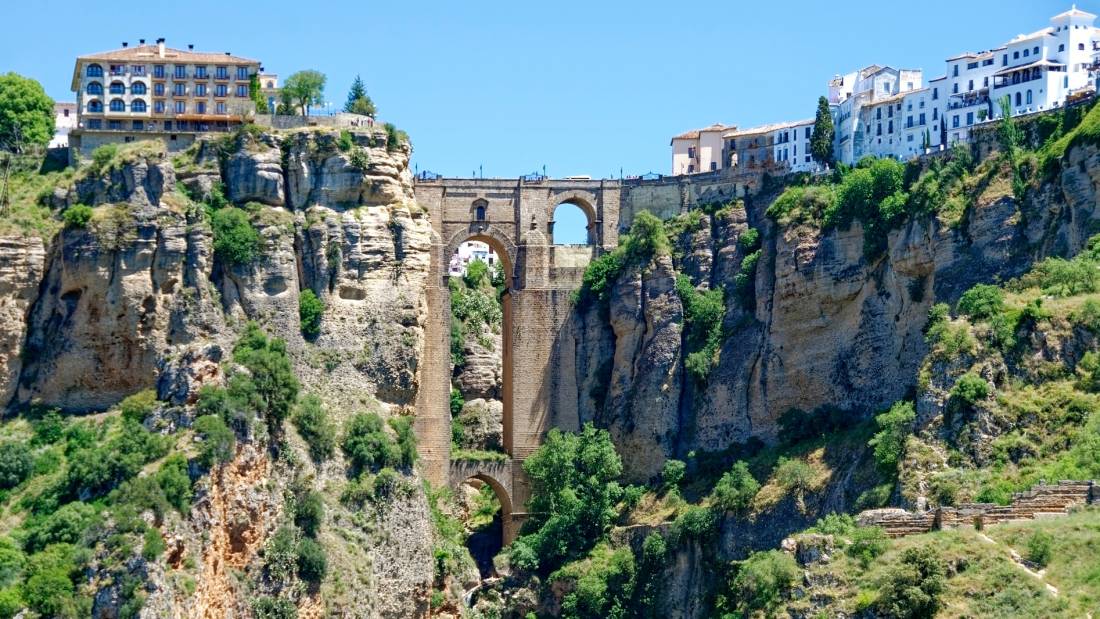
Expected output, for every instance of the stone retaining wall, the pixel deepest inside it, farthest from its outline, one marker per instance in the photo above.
(1041, 501)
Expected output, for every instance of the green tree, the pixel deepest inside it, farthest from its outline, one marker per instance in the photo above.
(358, 101)
(16, 463)
(913, 588)
(218, 442)
(304, 89)
(26, 113)
(889, 442)
(311, 420)
(574, 489)
(1008, 134)
(763, 581)
(235, 240)
(254, 93)
(310, 310)
(736, 489)
(821, 140)
(367, 445)
(270, 387)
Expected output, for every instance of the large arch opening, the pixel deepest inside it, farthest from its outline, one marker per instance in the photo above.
(485, 504)
(572, 222)
(480, 280)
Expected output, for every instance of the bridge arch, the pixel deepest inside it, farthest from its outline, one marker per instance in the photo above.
(494, 237)
(583, 201)
(498, 476)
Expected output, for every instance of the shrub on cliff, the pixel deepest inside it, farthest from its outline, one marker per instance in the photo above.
(367, 445)
(236, 242)
(703, 314)
(888, 443)
(16, 463)
(647, 238)
(969, 390)
(138, 406)
(602, 584)
(77, 216)
(736, 489)
(311, 420)
(310, 310)
(574, 490)
(760, 584)
(218, 441)
(312, 563)
(270, 388)
(981, 302)
(914, 587)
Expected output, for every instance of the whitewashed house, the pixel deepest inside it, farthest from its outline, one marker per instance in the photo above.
(699, 150)
(867, 111)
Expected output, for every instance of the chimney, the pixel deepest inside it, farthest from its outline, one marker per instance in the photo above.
(190, 47)
(226, 53)
(125, 44)
(160, 47)
(141, 41)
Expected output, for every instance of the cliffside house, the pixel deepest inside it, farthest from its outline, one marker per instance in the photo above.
(154, 91)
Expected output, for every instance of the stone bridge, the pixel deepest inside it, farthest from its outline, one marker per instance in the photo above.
(516, 218)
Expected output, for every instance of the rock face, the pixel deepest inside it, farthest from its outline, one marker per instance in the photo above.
(22, 262)
(138, 299)
(824, 325)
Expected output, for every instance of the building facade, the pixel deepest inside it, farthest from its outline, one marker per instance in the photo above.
(64, 121)
(131, 91)
(468, 252)
(699, 150)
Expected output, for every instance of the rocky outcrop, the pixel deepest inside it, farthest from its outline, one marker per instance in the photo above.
(22, 262)
(254, 173)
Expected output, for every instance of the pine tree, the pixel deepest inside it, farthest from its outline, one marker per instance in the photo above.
(821, 142)
(358, 101)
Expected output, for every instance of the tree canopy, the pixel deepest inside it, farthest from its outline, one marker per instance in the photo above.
(304, 89)
(821, 142)
(26, 113)
(358, 101)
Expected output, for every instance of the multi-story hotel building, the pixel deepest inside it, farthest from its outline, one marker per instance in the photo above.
(132, 91)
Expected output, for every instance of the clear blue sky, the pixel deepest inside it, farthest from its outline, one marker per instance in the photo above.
(580, 87)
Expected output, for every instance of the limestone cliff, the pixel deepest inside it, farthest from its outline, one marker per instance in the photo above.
(825, 325)
(138, 298)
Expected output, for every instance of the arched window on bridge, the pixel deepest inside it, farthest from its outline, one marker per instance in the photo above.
(480, 208)
(571, 225)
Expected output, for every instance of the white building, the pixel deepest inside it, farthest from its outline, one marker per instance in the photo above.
(467, 253)
(867, 106)
(64, 120)
(791, 145)
(699, 150)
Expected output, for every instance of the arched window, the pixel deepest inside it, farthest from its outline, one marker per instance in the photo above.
(1029, 97)
(1018, 99)
(271, 84)
(118, 105)
(94, 88)
(570, 225)
(138, 88)
(95, 70)
(118, 88)
(481, 208)
(137, 106)
(95, 106)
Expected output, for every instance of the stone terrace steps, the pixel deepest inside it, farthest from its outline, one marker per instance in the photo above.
(1042, 501)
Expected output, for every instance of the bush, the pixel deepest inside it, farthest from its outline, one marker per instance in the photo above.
(703, 313)
(406, 439)
(218, 441)
(153, 545)
(763, 581)
(270, 388)
(672, 473)
(981, 302)
(736, 489)
(868, 543)
(96, 470)
(267, 607)
(793, 474)
(889, 442)
(77, 216)
(16, 464)
(281, 554)
(603, 584)
(837, 525)
(312, 564)
(67, 525)
(309, 512)
(1040, 548)
(457, 402)
(103, 156)
(236, 242)
(744, 283)
(914, 587)
(311, 419)
(346, 141)
(695, 523)
(174, 481)
(749, 240)
(310, 310)
(48, 588)
(138, 406)
(574, 491)
(1088, 316)
(969, 389)
(366, 444)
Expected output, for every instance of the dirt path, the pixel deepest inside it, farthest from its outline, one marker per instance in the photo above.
(1038, 575)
